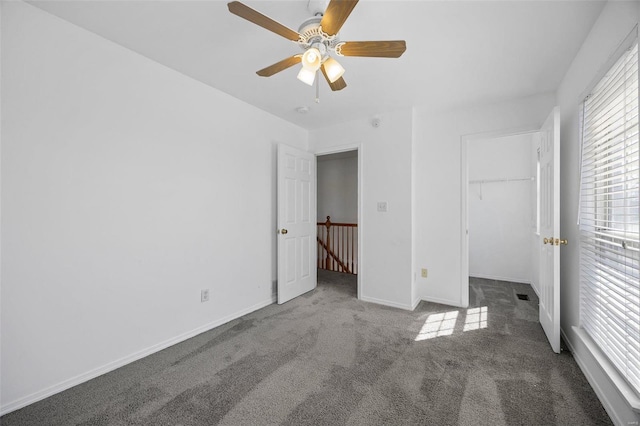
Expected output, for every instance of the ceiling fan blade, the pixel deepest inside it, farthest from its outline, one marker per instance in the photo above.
(339, 84)
(337, 12)
(279, 66)
(377, 49)
(258, 18)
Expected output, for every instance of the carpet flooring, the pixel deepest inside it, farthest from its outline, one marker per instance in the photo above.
(326, 358)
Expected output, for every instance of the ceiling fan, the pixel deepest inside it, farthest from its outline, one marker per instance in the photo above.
(318, 37)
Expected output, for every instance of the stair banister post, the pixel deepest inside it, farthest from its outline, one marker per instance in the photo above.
(328, 225)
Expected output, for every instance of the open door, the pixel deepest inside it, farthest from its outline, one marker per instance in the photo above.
(297, 246)
(550, 228)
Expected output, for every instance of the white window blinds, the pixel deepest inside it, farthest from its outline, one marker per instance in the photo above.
(610, 282)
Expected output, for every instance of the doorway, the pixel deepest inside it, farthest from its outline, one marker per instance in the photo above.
(500, 208)
(547, 203)
(338, 215)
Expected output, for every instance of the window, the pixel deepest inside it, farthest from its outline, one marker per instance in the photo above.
(610, 282)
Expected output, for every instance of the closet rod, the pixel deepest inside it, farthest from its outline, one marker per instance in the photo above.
(502, 180)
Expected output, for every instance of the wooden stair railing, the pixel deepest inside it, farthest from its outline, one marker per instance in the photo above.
(330, 252)
(337, 246)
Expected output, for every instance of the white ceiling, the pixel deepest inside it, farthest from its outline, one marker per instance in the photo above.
(458, 53)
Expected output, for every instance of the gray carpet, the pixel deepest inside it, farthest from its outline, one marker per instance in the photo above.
(326, 358)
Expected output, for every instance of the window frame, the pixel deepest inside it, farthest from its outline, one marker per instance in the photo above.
(603, 223)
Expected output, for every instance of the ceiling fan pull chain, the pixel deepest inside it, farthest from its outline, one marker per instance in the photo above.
(317, 89)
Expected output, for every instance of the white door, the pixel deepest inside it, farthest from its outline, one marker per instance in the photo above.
(550, 228)
(297, 245)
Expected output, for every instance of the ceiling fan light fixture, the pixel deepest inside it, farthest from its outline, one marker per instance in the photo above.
(307, 76)
(333, 69)
(312, 59)
(318, 36)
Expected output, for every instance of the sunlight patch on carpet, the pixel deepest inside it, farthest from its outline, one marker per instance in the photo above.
(476, 318)
(444, 323)
(436, 325)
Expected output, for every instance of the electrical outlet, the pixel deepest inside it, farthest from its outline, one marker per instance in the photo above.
(424, 272)
(204, 295)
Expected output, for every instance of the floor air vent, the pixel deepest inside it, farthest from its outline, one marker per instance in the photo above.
(523, 296)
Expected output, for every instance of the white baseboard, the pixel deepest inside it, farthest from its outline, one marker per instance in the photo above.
(455, 303)
(535, 289)
(92, 374)
(386, 303)
(500, 278)
(603, 396)
(415, 303)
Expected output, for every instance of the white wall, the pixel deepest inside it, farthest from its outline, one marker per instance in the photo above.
(437, 201)
(126, 189)
(500, 221)
(385, 269)
(615, 22)
(338, 189)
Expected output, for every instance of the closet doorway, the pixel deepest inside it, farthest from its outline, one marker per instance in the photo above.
(502, 204)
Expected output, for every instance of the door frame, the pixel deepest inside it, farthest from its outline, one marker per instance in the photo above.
(335, 150)
(464, 198)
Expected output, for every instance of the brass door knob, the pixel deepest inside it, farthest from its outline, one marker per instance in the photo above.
(555, 241)
(284, 231)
